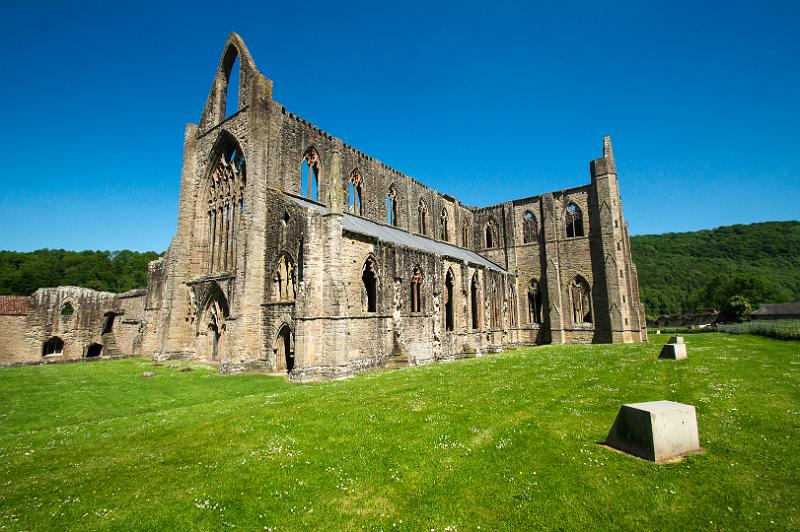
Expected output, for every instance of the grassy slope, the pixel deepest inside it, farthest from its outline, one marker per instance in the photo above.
(504, 441)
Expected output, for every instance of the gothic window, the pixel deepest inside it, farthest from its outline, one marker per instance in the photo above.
(534, 302)
(422, 209)
(225, 202)
(445, 234)
(369, 278)
(232, 81)
(309, 174)
(449, 320)
(67, 310)
(108, 323)
(391, 206)
(574, 221)
(489, 236)
(473, 293)
(529, 229)
(416, 290)
(53, 346)
(356, 202)
(284, 279)
(581, 301)
(465, 234)
(494, 305)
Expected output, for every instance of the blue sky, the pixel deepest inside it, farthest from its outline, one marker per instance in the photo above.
(486, 101)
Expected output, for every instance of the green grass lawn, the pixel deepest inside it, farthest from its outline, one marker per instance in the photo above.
(506, 441)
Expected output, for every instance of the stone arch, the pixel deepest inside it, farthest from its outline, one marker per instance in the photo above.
(284, 347)
(417, 279)
(534, 302)
(449, 300)
(94, 350)
(370, 282)
(213, 322)
(355, 193)
(573, 220)
(310, 173)
(581, 298)
(67, 309)
(284, 278)
(224, 198)
(490, 234)
(530, 228)
(391, 206)
(234, 52)
(53, 346)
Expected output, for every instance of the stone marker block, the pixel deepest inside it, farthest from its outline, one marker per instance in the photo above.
(656, 431)
(673, 352)
(675, 340)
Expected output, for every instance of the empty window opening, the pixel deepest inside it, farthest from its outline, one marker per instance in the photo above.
(67, 309)
(494, 305)
(534, 302)
(422, 209)
(226, 184)
(616, 223)
(581, 301)
(94, 351)
(53, 346)
(356, 192)
(513, 306)
(473, 295)
(449, 321)
(489, 236)
(619, 246)
(445, 233)
(529, 229)
(574, 221)
(284, 279)
(369, 278)
(391, 206)
(285, 349)
(108, 323)
(286, 218)
(309, 174)
(620, 274)
(416, 290)
(233, 76)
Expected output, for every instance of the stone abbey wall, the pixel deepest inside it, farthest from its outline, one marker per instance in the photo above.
(364, 268)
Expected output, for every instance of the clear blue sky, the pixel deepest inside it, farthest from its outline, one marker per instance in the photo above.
(487, 101)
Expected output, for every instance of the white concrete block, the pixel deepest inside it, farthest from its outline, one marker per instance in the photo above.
(675, 340)
(673, 352)
(656, 431)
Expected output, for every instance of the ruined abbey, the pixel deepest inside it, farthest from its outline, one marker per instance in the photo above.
(298, 253)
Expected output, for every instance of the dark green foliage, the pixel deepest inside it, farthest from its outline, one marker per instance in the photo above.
(701, 270)
(111, 271)
(737, 309)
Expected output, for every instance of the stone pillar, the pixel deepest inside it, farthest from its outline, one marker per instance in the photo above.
(554, 316)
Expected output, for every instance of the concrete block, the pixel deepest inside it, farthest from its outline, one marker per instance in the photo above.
(656, 430)
(673, 352)
(675, 340)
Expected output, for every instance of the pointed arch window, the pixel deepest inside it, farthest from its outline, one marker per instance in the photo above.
(309, 174)
(534, 302)
(391, 206)
(529, 228)
(513, 306)
(465, 234)
(422, 210)
(232, 68)
(284, 280)
(489, 236)
(449, 314)
(574, 221)
(444, 232)
(494, 305)
(225, 203)
(356, 193)
(474, 303)
(369, 279)
(416, 290)
(581, 301)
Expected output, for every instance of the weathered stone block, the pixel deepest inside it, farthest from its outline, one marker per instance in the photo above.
(656, 430)
(673, 352)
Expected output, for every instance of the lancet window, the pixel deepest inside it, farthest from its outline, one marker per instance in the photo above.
(225, 203)
(574, 221)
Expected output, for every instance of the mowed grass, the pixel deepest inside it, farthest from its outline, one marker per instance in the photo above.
(506, 441)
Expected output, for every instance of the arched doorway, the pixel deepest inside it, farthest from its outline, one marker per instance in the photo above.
(94, 351)
(285, 349)
(212, 325)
